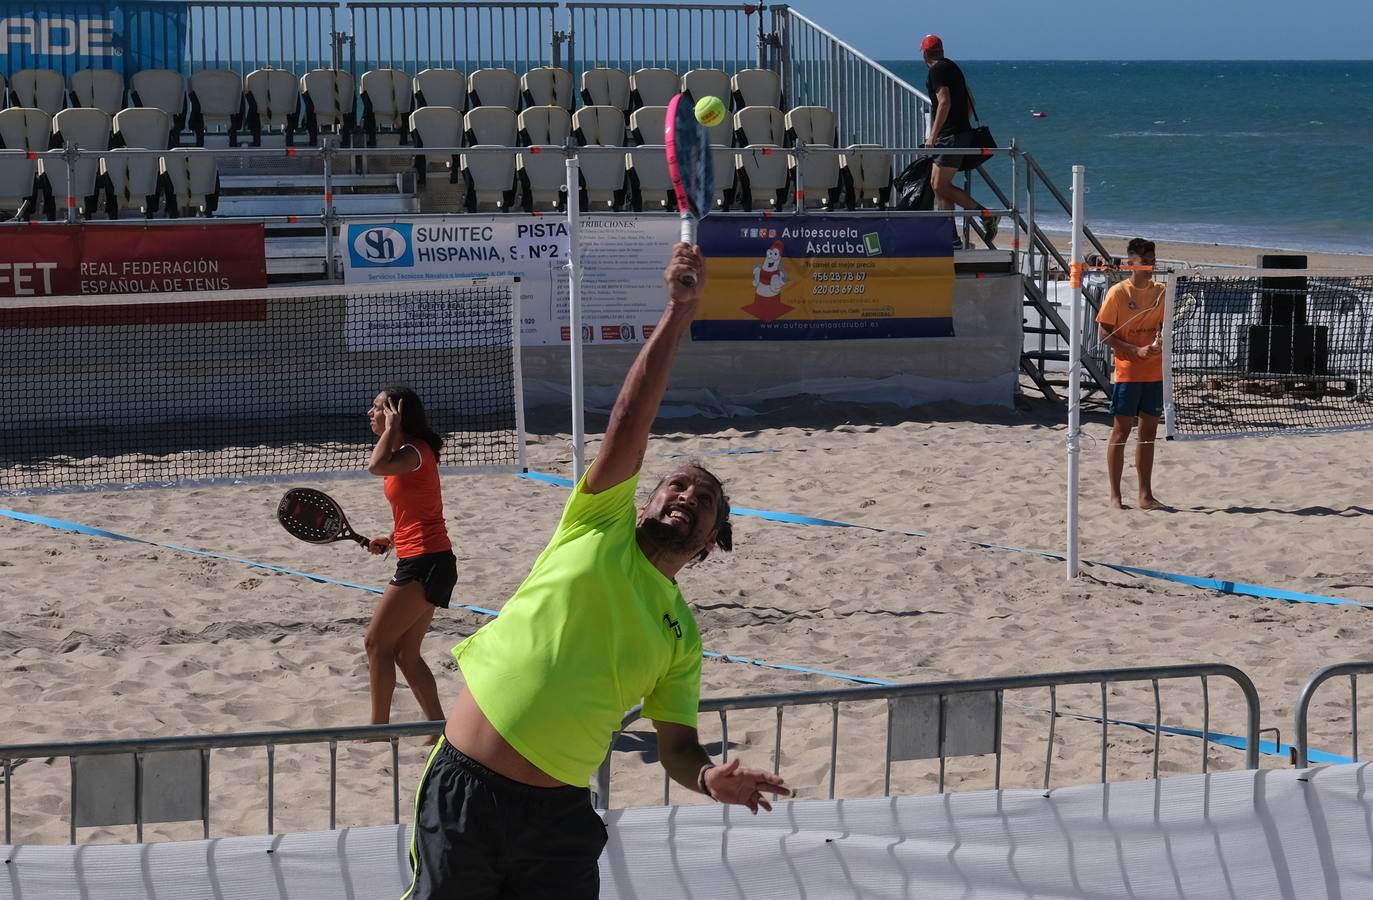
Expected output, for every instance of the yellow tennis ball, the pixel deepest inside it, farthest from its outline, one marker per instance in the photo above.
(710, 111)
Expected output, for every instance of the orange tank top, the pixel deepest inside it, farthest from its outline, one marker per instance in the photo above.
(417, 507)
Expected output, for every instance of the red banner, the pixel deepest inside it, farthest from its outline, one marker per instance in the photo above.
(68, 260)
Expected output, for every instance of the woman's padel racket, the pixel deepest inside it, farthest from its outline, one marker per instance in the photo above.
(314, 517)
(690, 166)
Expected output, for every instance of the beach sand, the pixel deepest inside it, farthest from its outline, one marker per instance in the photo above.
(107, 639)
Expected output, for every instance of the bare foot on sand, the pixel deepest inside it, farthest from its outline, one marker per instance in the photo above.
(1149, 501)
(1116, 504)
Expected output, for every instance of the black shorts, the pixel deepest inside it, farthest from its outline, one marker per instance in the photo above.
(956, 139)
(481, 836)
(438, 572)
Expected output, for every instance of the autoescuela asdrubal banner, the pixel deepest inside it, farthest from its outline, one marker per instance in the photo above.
(70, 35)
(622, 266)
(810, 278)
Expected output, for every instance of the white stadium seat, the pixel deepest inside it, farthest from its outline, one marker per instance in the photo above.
(329, 103)
(757, 87)
(21, 128)
(38, 89)
(700, 83)
(190, 183)
(216, 103)
(603, 174)
(606, 87)
(101, 89)
(88, 129)
(653, 87)
(436, 126)
(760, 163)
(541, 169)
(820, 177)
(490, 177)
(161, 89)
(441, 87)
(649, 182)
(867, 176)
(273, 97)
(133, 181)
(387, 98)
(547, 86)
(494, 87)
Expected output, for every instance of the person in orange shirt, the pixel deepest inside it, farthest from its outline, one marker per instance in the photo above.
(407, 457)
(1131, 322)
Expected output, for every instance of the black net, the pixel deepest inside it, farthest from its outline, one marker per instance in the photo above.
(1253, 354)
(250, 385)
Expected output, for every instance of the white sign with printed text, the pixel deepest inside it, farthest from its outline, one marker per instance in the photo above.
(622, 263)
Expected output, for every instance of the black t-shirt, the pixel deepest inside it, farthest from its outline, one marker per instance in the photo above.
(946, 73)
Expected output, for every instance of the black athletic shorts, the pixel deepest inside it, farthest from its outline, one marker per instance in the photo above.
(956, 140)
(481, 836)
(438, 572)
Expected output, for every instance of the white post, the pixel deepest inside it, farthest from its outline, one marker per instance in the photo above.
(1075, 371)
(574, 315)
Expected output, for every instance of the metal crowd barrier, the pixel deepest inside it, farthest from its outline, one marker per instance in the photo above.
(682, 36)
(244, 35)
(1301, 717)
(139, 781)
(945, 719)
(453, 34)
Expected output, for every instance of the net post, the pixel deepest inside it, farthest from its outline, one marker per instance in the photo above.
(1169, 298)
(1075, 373)
(574, 316)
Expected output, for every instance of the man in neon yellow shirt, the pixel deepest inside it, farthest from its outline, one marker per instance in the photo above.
(599, 624)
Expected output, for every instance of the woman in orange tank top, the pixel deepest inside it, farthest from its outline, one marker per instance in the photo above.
(407, 456)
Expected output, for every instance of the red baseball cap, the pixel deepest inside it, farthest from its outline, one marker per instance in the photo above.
(931, 42)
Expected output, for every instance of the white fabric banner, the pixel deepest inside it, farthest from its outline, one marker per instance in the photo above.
(622, 259)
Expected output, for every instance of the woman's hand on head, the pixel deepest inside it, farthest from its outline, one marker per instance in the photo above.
(391, 412)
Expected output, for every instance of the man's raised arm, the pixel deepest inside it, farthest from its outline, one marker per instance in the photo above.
(626, 437)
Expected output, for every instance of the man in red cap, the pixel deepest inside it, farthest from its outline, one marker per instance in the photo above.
(950, 126)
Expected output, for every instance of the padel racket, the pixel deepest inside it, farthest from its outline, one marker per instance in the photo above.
(314, 517)
(690, 166)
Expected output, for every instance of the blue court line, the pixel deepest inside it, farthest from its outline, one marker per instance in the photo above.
(78, 528)
(1224, 586)
(1265, 747)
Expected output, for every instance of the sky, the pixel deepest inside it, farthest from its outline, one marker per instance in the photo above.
(1103, 29)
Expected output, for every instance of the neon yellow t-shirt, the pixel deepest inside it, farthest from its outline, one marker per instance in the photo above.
(594, 629)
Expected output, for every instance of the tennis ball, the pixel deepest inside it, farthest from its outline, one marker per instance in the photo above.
(710, 111)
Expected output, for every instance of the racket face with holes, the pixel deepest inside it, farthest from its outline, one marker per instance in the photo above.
(314, 517)
(689, 161)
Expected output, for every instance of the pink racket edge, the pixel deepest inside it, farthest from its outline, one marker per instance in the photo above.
(674, 164)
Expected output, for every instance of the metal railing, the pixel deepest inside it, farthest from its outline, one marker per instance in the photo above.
(451, 34)
(244, 35)
(924, 721)
(679, 36)
(138, 750)
(871, 105)
(973, 730)
(1301, 718)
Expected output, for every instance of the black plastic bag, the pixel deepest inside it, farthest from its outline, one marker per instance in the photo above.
(912, 188)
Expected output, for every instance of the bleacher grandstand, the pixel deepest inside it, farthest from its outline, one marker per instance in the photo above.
(301, 115)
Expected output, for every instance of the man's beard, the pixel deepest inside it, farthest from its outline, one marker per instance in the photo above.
(666, 537)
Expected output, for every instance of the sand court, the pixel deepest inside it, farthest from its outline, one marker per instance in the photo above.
(116, 639)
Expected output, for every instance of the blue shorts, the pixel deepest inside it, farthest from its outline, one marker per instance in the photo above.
(1136, 398)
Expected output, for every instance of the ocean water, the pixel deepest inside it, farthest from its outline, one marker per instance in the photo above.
(1252, 153)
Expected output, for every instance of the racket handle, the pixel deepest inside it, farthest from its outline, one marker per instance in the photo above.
(366, 543)
(689, 238)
